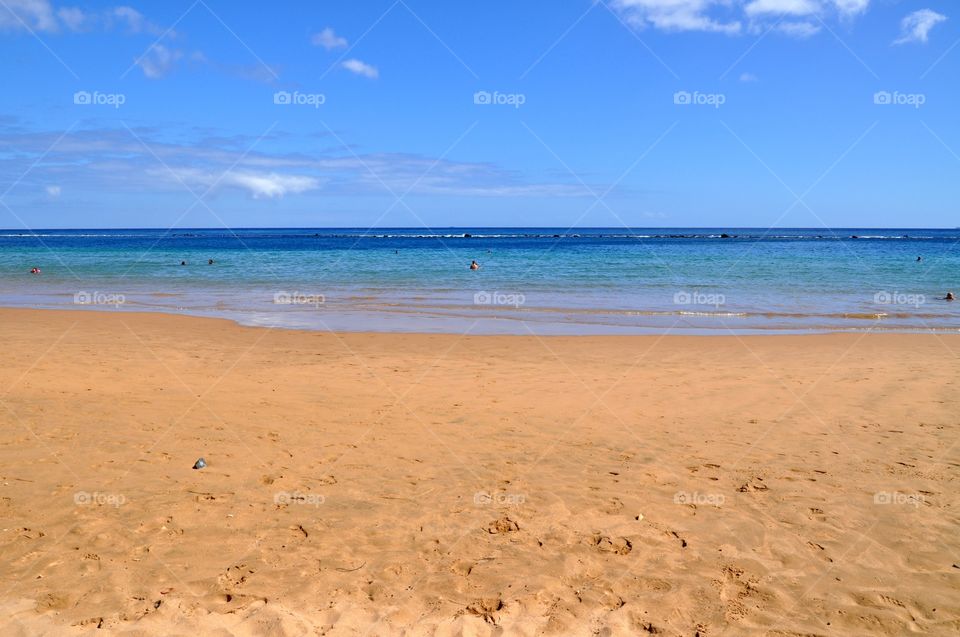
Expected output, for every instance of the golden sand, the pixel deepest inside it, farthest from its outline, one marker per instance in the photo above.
(380, 484)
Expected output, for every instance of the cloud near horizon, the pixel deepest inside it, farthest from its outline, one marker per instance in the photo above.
(115, 160)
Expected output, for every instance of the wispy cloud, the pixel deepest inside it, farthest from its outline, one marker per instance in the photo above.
(801, 29)
(733, 17)
(260, 185)
(42, 16)
(135, 22)
(679, 15)
(361, 68)
(158, 61)
(329, 40)
(114, 160)
(748, 78)
(37, 15)
(782, 7)
(916, 26)
(73, 18)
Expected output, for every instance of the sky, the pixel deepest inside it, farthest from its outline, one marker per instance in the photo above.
(430, 113)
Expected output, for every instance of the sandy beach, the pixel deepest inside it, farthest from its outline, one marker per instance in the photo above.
(381, 484)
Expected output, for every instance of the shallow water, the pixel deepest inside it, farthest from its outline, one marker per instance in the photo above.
(540, 280)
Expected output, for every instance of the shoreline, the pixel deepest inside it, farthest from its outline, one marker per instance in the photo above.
(549, 330)
(445, 484)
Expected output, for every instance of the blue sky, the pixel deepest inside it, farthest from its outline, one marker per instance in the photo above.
(811, 113)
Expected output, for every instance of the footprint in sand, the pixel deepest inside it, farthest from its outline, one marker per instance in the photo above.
(606, 544)
(754, 484)
(614, 506)
(502, 525)
(235, 576)
(486, 609)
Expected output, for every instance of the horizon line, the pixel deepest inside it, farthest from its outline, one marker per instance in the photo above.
(568, 229)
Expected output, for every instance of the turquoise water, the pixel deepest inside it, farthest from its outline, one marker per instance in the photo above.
(541, 280)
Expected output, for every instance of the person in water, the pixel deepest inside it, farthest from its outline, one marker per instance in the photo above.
(183, 263)
(209, 261)
(34, 270)
(474, 265)
(919, 259)
(949, 297)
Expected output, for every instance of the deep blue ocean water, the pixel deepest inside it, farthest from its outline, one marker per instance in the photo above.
(540, 280)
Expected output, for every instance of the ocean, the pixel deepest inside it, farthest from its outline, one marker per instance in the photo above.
(531, 280)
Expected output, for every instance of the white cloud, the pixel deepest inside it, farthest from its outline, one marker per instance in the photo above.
(916, 26)
(329, 40)
(270, 185)
(36, 15)
(782, 7)
(111, 160)
(851, 7)
(158, 61)
(137, 23)
(749, 77)
(735, 16)
(53, 191)
(361, 68)
(41, 15)
(73, 18)
(131, 16)
(259, 185)
(677, 15)
(798, 29)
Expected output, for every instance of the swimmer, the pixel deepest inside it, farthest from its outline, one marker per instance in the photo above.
(183, 263)
(474, 265)
(949, 297)
(209, 261)
(919, 259)
(34, 270)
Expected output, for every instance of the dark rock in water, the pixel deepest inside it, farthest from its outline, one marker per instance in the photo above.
(200, 463)
(556, 236)
(467, 235)
(724, 236)
(853, 236)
